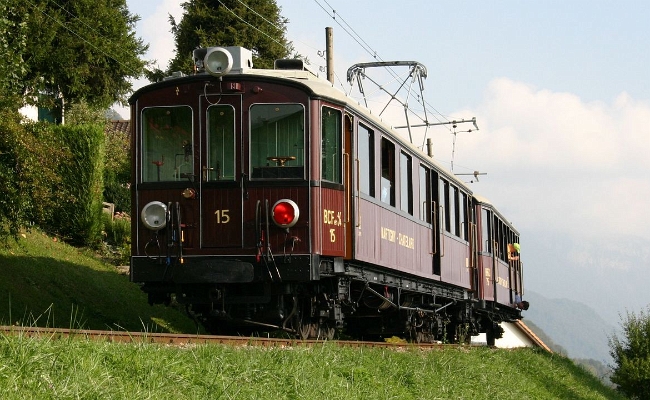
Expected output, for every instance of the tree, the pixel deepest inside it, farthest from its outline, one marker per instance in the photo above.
(254, 24)
(12, 47)
(631, 356)
(81, 49)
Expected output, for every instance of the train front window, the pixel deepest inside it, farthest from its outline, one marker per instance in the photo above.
(277, 141)
(221, 143)
(331, 146)
(167, 144)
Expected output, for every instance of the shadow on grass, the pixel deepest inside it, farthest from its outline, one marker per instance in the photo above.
(49, 292)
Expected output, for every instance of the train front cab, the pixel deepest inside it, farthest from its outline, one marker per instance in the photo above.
(238, 188)
(500, 269)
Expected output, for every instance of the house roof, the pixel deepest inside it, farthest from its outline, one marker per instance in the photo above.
(122, 125)
(531, 335)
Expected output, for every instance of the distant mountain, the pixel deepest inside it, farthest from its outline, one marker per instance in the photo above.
(574, 326)
(113, 115)
(609, 274)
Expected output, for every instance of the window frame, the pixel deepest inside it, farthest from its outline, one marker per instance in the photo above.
(337, 171)
(208, 139)
(297, 169)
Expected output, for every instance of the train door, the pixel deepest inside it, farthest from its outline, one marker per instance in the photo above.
(486, 258)
(333, 188)
(348, 183)
(220, 160)
(438, 222)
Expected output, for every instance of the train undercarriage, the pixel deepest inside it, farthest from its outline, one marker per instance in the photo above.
(347, 301)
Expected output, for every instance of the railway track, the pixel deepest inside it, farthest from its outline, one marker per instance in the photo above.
(175, 339)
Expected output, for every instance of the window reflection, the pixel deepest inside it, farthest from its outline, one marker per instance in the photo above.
(167, 144)
(221, 143)
(277, 140)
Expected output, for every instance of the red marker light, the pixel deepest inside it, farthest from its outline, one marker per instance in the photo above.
(285, 213)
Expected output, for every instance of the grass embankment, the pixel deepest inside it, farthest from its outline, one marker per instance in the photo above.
(78, 368)
(46, 283)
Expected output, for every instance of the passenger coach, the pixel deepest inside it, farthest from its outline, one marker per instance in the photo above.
(268, 200)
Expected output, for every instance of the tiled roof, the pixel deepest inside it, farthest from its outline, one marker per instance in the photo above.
(122, 125)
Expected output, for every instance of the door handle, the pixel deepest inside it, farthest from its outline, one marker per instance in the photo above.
(206, 173)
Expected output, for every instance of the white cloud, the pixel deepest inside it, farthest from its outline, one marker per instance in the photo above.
(554, 161)
(155, 30)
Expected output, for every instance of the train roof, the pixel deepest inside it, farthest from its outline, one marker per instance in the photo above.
(318, 87)
(299, 75)
(486, 202)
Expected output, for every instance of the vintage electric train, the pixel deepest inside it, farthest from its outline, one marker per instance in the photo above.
(268, 200)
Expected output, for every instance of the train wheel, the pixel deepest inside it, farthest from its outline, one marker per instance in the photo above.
(307, 329)
(326, 331)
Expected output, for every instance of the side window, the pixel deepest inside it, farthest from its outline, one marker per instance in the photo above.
(221, 143)
(453, 210)
(387, 172)
(462, 216)
(331, 145)
(406, 183)
(499, 238)
(443, 196)
(366, 157)
(504, 241)
(277, 141)
(486, 229)
(425, 194)
(167, 144)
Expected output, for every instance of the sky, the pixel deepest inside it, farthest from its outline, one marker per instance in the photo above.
(560, 91)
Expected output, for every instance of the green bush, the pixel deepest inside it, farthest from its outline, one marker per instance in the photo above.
(79, 209)
(29, 156)
(117, 171)
(631, 355)
(117, 238)
(117, 229)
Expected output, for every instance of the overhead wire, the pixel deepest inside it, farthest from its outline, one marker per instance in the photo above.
(373, 53)
(249, 24)
(368, 48)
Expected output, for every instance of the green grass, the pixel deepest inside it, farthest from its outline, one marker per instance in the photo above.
(79, 368)
(44, 282)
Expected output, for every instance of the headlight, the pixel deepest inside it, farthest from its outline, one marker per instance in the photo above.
(285, 213)
(154, 215)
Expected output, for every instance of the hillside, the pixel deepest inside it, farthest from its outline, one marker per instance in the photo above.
(42, 368)
(44, 282)
(574, 326)
(608, 273)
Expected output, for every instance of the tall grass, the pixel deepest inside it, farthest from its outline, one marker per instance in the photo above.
(117, 237)
(69, 368)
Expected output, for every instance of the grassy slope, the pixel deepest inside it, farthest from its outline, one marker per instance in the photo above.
(47, 283)
(44, 282)
(46, 368)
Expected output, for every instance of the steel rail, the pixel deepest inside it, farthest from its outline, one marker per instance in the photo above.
(197, 339)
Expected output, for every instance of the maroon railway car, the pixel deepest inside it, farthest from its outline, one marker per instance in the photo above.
(268, 200)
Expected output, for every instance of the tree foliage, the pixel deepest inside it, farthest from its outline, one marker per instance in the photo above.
(81, 49)
(254, 24)
(631, 355)
(29, 157)
(12, 48)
